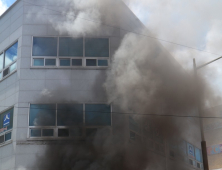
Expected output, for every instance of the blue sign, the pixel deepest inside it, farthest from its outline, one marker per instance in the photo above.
(6, 120)
(190, 150)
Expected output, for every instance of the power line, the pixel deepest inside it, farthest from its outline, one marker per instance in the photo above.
(127, 30)
(127, 113)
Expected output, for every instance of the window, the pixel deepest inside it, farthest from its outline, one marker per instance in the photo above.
(6, 125)
(186, 152)
(70, 52)
(8, 60)
(190, 161)
(67, 120)
(76, 62)
(70, 47)
(64, 62)
(91, 62)
(198, 155)
(102, 63)
(38, 62)
(50, 62)
(98, 115)
(11, 54)
(44, 46)
(97, 47)
(42, 115)
(1, 60)
(69, 114)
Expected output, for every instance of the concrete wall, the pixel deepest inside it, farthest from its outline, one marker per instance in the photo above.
(21, 22)
(10, 31)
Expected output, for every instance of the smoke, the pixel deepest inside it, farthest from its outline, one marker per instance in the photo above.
(191, 23)
(144, 79)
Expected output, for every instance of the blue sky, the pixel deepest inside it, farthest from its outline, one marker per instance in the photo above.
(8, 2)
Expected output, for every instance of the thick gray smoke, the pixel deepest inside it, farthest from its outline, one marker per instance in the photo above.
(196, 24)
(144, 79)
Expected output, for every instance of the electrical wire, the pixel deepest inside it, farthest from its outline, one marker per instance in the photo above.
(125, 113)
(126, 30)
(128, 113)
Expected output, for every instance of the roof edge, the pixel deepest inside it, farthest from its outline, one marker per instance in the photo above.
(9, 8)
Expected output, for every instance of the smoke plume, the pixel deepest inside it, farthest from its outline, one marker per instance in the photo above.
(144, 79)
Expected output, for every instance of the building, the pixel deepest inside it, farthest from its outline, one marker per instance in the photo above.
(44, 72)
(212, 131)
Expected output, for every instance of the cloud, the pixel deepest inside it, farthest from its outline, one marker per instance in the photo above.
(3, 7)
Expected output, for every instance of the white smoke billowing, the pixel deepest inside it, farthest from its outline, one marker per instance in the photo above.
(77, 18)
(191, 23)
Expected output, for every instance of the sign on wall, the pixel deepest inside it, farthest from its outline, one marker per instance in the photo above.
(6, 120)
(190, 150)
(215, 149)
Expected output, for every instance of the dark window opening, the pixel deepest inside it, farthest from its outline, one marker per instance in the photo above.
(91, 62)
(35, 132)
(5, 72)
(8, 136)
(2, 139)
(64, 62)
(47, 132)
(63, 132)
(76, 62)
(50, 62)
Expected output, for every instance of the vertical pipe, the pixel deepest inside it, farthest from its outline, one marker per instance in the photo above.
(203, 142)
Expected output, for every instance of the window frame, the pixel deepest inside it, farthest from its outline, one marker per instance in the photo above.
(187, 157)
(84, 58)
(9, 65)
(56, 127)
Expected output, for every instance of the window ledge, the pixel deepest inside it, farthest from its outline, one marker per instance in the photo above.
(73, 68)
(6, 143)
(8, 75)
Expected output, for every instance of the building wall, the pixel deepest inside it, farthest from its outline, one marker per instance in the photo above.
(21, 22)
(10, 31)
(212, 131)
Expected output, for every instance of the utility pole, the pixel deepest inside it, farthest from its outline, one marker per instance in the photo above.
(203, 142)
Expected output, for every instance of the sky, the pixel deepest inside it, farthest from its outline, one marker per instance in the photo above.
(196, 24)
(4, 4)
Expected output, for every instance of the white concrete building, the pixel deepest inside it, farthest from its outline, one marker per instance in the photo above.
(44, 72)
